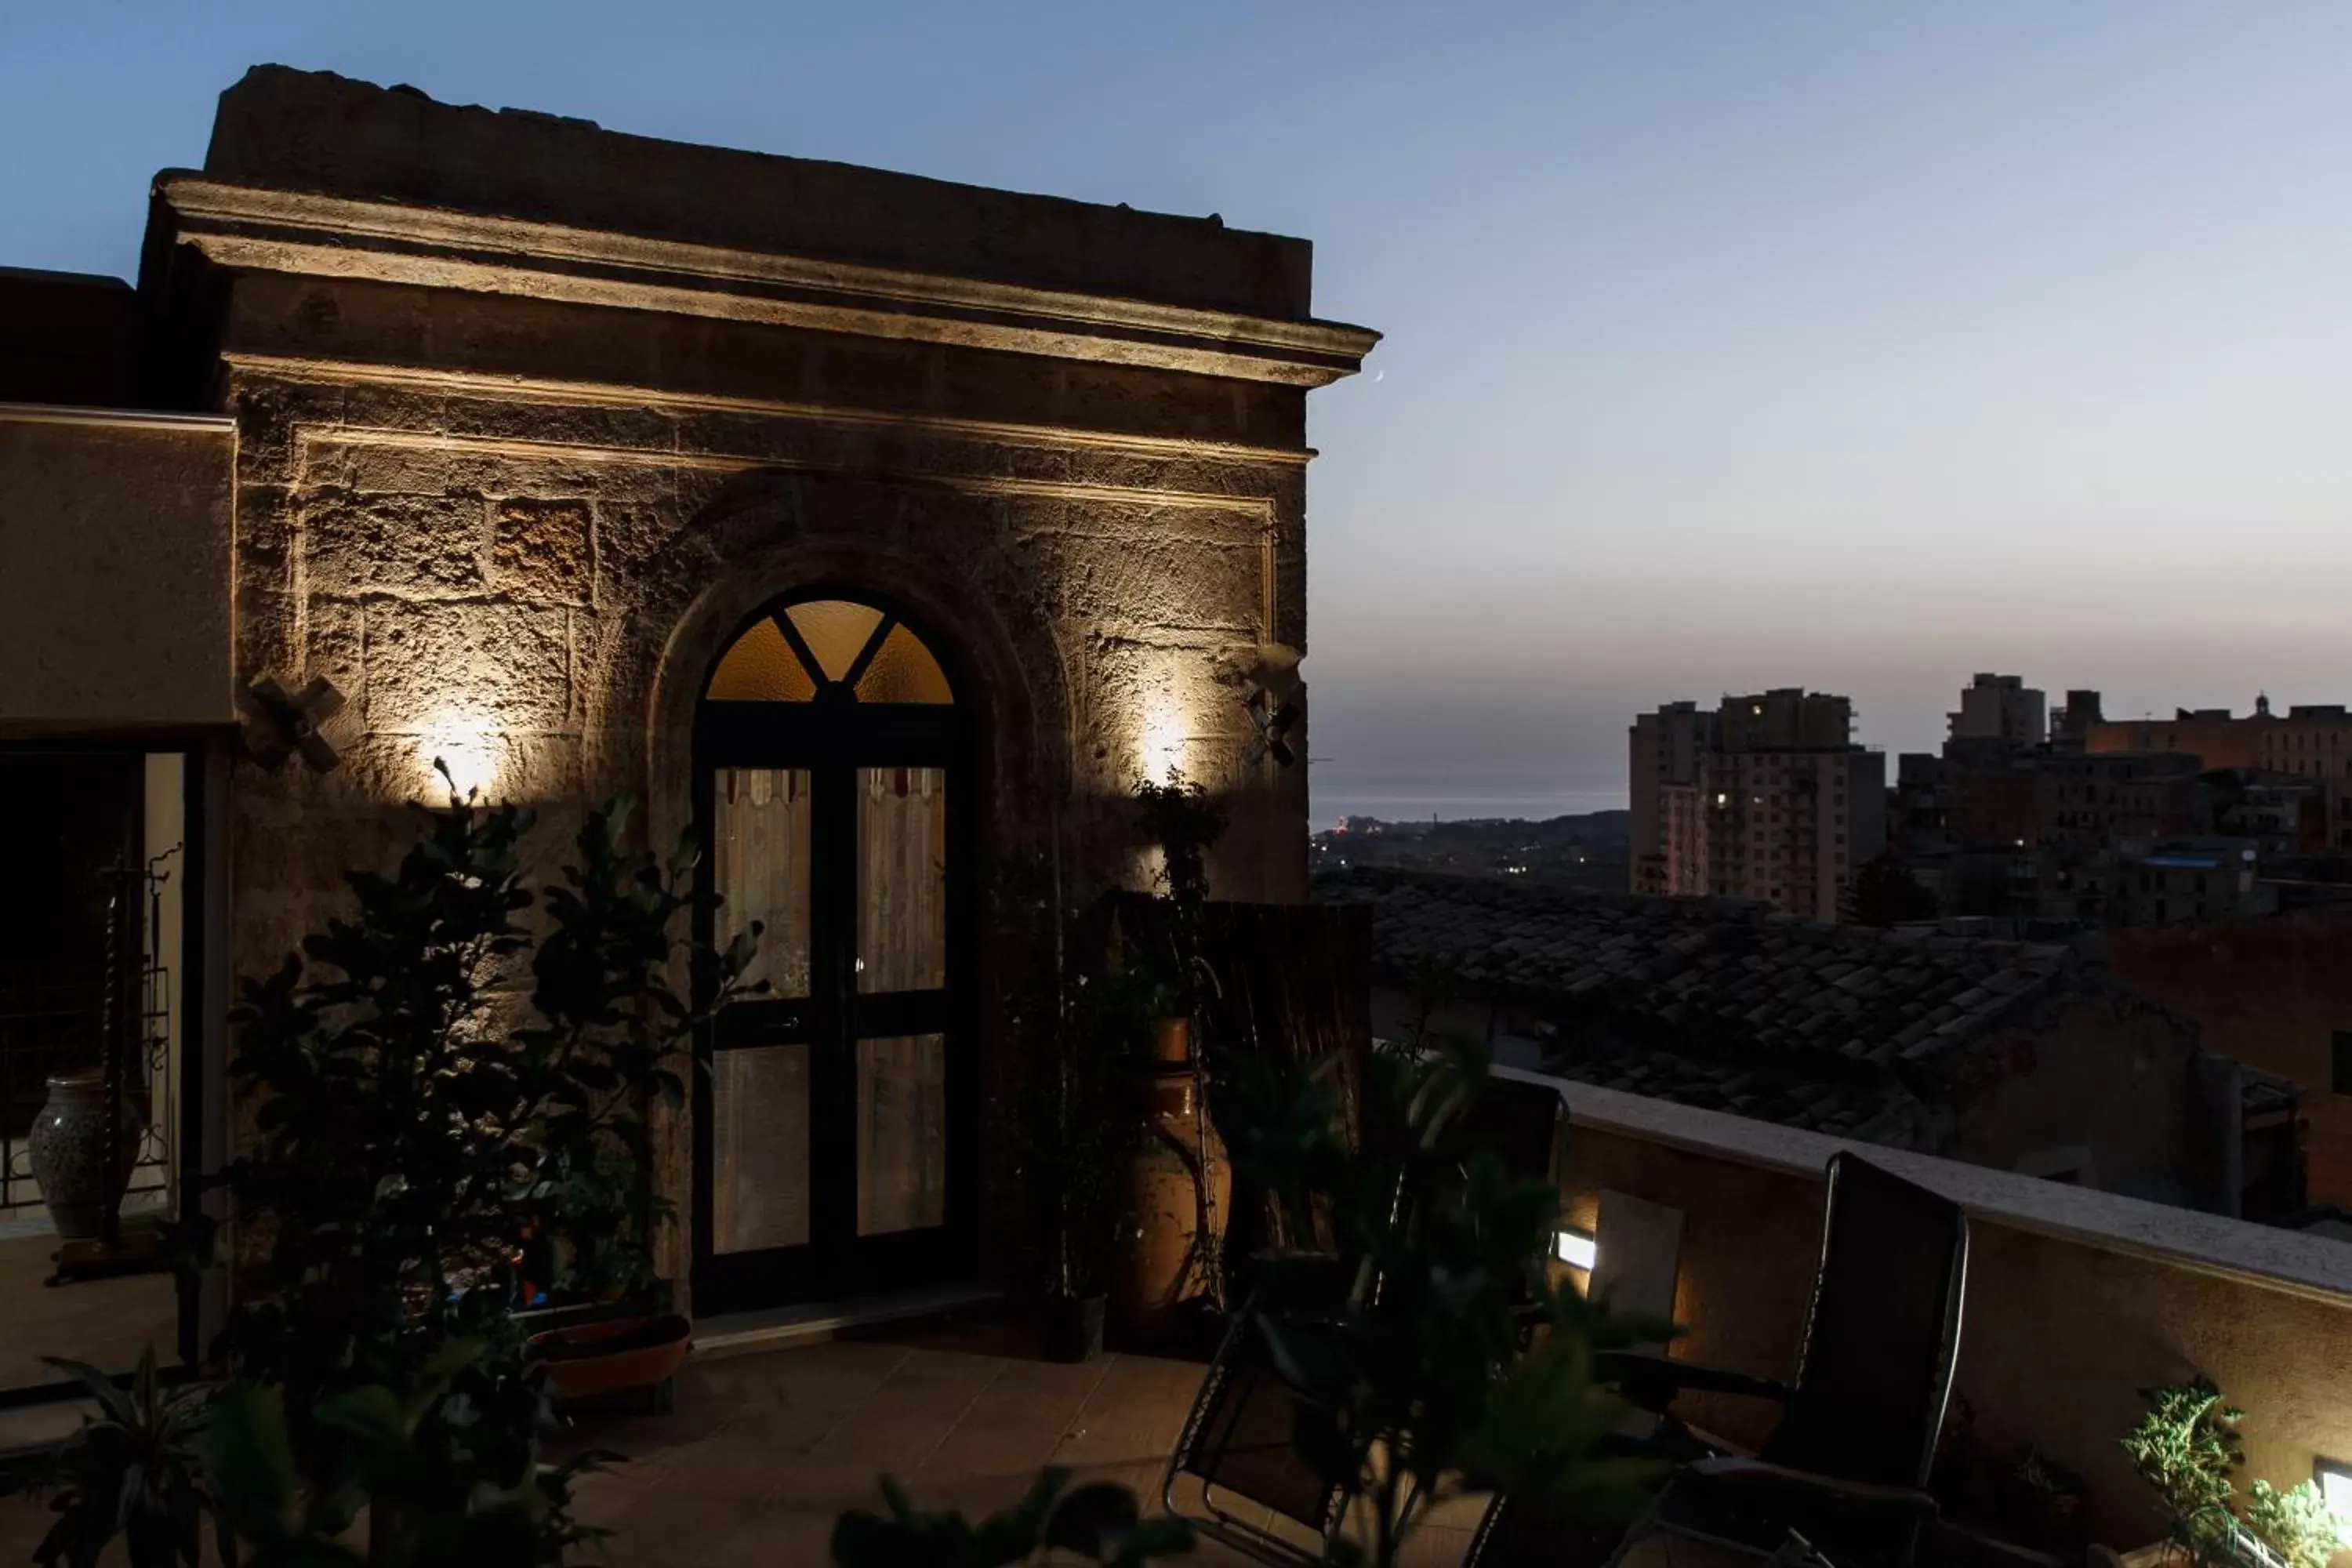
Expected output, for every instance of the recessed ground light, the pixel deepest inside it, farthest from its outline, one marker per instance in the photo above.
(1578, 1249)
(2334, 1478)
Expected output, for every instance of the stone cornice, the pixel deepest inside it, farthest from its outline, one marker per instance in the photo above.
(614, 394)
(1258, 508)
(268, 229)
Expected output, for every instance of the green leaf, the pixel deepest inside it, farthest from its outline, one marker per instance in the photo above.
(248, 1454)
(372, 1414)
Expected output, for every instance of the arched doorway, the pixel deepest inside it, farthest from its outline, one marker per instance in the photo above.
(833, 1137)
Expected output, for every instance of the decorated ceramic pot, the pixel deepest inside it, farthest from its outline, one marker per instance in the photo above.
(69, 1154)
(1174, 1172)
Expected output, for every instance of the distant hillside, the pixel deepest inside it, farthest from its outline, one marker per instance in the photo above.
(1584, 851)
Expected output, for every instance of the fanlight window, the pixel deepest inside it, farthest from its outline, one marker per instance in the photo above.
(837, 648)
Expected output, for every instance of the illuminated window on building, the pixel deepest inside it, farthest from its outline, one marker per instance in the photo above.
(830, 646)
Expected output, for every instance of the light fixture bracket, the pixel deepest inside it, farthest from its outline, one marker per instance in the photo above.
(287, 723)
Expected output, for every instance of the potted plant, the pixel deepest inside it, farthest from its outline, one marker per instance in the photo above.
(2039, 1502)
(604, 1318)
(419, 1116)
(1178, 1179)
(2188, 1449)
(1084, 1116)
(134, 1469)
(1426, 1363)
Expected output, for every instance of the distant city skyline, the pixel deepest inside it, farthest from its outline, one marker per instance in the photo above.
(1838, 346)
(1538, 788)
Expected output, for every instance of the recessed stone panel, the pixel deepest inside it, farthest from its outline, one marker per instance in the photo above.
(543, 551)
(1141, 580)
(422, 546)
(453, 667)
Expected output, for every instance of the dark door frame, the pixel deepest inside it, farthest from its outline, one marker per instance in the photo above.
(833, 738)
(190, 1002)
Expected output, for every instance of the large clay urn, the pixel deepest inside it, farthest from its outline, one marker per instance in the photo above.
(1166, 1264)
(69, 1154)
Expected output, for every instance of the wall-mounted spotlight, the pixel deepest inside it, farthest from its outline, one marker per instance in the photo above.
(1577, 1248)
(1274, 719)
(470, 750)
(287, 722)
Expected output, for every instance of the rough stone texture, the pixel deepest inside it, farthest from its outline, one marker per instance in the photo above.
(412, 546)
(314, 131)
(543, 551)
(517, 532)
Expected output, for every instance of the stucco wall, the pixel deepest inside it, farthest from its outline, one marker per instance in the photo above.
(2108, 1071)
(115, 539)
(2076, 1300)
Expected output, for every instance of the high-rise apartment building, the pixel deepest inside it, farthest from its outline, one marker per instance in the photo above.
(1766, 797)
(1665, 749)
(2001, 707)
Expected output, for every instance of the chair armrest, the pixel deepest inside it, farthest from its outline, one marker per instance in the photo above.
(1653, 1380)
(1856, 1497)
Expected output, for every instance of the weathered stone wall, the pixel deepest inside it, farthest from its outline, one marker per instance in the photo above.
(516, 535)
(315, 130)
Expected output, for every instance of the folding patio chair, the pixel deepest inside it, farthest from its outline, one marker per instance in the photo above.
(1239, 1439)
(1846, 1466)
(1240, 1442)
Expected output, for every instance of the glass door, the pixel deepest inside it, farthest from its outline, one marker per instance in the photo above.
(830, 1132)
(900, 964)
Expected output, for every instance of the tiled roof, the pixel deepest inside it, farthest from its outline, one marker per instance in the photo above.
(1716, 1002)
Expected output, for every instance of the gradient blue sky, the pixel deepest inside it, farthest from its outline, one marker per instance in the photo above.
(1857, 346)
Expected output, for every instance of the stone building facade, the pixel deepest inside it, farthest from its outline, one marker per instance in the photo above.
(532, 420)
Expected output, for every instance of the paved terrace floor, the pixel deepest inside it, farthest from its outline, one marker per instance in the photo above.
(764, 1450)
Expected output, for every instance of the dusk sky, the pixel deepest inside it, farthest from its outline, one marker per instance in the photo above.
(1854, 346)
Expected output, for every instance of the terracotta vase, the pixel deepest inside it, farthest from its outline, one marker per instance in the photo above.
(68, 1144)
(1166, 1264)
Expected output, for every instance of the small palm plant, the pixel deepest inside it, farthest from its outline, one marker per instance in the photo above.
(134, 1469)
(2186, 1448)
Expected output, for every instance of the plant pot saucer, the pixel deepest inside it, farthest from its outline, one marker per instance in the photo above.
(589, 1360)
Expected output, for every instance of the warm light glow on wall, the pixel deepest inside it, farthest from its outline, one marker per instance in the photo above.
(469, 748)
(1162, 738)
